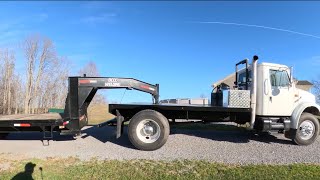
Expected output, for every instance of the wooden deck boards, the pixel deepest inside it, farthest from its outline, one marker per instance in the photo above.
(48, 116)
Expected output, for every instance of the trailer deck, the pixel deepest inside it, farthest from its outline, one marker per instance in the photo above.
(36, 117)
(46, 123)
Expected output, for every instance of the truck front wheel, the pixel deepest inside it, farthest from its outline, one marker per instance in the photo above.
(308, 129)
(148, 130)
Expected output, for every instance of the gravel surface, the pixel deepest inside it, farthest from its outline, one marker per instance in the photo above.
(217, 146)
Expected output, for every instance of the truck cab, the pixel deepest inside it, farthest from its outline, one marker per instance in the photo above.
(275, 89)
(279, 104)
(264, 96)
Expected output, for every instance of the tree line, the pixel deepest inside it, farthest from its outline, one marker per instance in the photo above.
(42, 83)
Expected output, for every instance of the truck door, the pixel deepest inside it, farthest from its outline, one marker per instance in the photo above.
(280, 101)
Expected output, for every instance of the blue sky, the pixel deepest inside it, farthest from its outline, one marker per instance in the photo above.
(166, 43)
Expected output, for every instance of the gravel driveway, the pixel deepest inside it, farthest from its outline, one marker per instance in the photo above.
(218, 146)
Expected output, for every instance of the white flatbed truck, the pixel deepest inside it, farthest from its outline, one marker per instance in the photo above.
(264, 96)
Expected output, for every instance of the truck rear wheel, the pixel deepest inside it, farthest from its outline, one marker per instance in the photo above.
(308, 129)
(148, 130)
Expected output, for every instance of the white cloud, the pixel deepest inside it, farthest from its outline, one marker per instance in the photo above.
(13, 30)
(102, 18)
(10, 33)
(258, 26)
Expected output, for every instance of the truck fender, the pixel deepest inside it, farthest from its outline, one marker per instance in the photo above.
(312, 108)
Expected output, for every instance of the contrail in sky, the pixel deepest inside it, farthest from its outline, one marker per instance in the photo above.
(258, 26)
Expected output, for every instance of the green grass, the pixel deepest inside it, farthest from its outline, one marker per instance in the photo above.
(98, 113)
(147, 169)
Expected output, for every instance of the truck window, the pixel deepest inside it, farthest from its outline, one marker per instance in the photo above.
(279, 78)
(242, 78)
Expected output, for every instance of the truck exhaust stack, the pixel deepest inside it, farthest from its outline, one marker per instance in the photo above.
(254, 91)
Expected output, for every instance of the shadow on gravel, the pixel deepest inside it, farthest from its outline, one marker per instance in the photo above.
(230, 133)
(221, 132)
(36, 136)
(107, 134)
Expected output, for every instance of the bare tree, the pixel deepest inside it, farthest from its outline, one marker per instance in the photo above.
(53, 89)
(46, 75)
(90, 69)
(45, 83)
(202, 95)
(41, 55)
(7, 69)
(18, 95)
(31, 48)
(47, 55)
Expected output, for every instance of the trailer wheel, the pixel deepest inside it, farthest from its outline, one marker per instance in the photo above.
(308, 130)
(148, 130)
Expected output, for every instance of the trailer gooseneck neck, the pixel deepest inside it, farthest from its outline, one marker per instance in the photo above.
(82, 90)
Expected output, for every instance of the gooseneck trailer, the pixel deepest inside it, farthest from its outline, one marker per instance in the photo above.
(264, 96)
(81, 91)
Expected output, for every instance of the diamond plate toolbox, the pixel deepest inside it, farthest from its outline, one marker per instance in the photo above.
(236, 98)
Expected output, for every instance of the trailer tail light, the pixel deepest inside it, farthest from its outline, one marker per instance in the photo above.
(22, 125)
(63, 125)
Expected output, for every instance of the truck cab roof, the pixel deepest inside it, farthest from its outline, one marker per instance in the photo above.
(273, 65)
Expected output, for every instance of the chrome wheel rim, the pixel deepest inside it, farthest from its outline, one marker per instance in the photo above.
(148, 131)
(306, 130)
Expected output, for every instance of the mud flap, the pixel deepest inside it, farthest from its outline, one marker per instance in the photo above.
(120, 120)
(290, 134)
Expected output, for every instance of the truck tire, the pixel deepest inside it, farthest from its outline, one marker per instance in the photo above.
(308, 129)
(148, 130)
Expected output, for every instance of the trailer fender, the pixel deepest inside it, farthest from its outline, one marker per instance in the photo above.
(312, 108)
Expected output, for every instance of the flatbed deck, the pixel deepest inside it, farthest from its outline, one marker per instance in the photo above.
(180, 107)
(30, 122)
(178, 111)
(19, 117)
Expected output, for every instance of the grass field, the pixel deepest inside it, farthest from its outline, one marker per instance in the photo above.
(145, 169)
(98, 114)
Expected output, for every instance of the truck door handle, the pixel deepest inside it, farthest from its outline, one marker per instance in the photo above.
(266, 90)
(270, 98)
